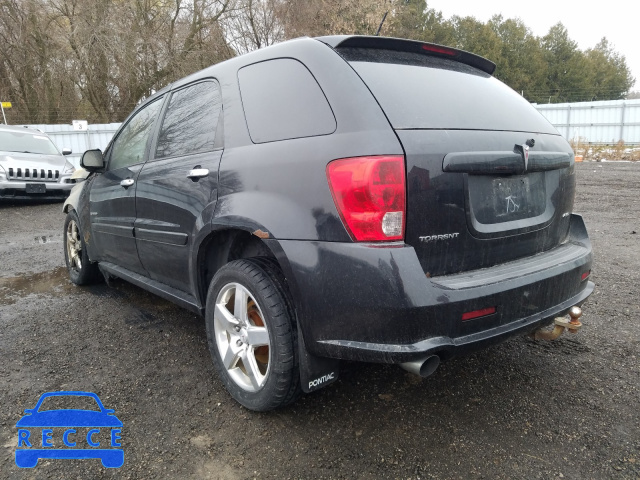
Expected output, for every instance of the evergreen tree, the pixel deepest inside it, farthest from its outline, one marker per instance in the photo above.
(567, 71)
(609, 76)
(521, 63)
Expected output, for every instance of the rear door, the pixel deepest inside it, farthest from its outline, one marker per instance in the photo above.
(488, 178)
(112, 197)
(179, 182)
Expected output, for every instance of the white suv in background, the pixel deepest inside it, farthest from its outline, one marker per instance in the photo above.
(31, 166)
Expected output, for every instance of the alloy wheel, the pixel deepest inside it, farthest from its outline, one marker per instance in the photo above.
(74, 246)
(242, 337)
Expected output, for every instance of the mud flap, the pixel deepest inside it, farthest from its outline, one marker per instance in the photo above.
(106, 275)
(315, 372)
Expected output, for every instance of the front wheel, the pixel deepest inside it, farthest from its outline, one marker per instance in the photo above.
(252, 334)
(81, 270)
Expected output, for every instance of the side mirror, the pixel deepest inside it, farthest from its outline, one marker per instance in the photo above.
(92, 160)
(66, 151)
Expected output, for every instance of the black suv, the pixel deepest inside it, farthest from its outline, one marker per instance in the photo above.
(343, 197)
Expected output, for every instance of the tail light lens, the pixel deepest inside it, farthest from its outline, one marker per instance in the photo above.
(370, 195)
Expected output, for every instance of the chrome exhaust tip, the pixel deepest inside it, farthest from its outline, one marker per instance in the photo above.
(423, 367)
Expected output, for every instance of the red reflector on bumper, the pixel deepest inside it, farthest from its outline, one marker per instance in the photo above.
(483, 312)
(585, 275)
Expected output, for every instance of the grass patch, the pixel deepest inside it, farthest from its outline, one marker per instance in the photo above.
(598, 153)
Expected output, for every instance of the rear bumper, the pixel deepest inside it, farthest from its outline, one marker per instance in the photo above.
(374, 303)
(447, 347)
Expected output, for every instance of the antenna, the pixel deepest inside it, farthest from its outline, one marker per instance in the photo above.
(383, 19)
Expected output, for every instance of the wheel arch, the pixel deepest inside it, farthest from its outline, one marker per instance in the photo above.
(72, 200)
(227, 242)
(231, 239)
(78, 201)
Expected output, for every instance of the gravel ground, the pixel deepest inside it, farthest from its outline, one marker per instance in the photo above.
(524, 409)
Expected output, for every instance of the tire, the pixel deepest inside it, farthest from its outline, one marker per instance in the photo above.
(263, 335)
(81, 270)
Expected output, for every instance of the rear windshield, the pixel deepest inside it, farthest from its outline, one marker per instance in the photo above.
(421, 91)
(27, 142)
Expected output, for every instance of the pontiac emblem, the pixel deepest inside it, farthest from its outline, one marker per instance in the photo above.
(524, 151)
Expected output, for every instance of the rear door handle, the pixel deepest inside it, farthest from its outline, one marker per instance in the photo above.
(197, 173)
(127, 182)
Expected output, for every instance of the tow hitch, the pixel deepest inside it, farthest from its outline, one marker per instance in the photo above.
(560, 324)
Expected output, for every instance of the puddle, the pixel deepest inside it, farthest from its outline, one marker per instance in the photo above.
(13, 288)
(42, 239)
(143, 319)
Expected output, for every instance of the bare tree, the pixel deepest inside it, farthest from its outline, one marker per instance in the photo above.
(124, 51)
(33, 67)
(97, 59)
(255, 24)
(331, 17)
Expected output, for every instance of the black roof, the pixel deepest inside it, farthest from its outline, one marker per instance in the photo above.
(295, 45)
(340, 41)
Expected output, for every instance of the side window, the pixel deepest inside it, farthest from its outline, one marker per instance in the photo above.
(282, 100)
(190, 123)
(129, 148)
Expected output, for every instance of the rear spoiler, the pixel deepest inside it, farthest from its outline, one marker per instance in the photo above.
(399, 44)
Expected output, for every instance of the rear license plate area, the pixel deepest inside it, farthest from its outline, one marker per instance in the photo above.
(36, 188)
(505, 199)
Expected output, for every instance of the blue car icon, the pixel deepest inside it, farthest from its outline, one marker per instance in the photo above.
(32, 447)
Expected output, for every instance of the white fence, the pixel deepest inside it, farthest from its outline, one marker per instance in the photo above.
(64, 136)
(605, 122)
(590, 122)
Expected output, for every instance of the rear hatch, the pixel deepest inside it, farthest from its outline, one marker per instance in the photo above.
(489, 180)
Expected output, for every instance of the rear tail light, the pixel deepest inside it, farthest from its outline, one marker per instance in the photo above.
(369, 193)
(585, 275)
(483, 312)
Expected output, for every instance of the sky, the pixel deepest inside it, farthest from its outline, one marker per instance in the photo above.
(587, 21)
